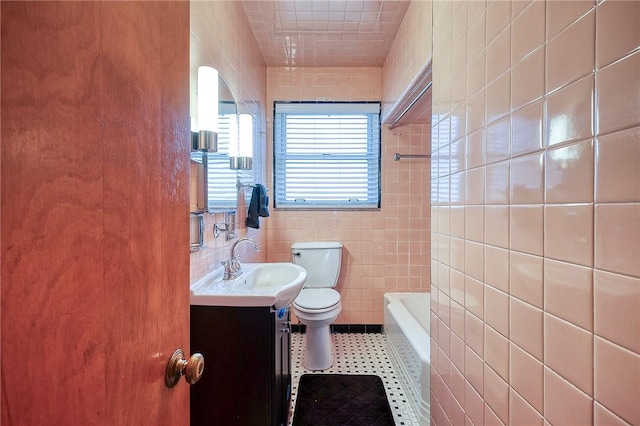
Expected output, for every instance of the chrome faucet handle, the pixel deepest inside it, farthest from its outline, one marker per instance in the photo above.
(228, 269)
(232, 268)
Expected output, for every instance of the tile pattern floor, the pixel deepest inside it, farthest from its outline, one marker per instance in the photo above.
(356, 353)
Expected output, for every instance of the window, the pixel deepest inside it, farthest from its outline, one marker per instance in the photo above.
(327, 155)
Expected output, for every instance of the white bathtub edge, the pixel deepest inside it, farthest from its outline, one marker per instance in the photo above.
(403, 329)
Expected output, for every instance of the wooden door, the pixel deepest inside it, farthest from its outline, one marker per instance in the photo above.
(94, 228)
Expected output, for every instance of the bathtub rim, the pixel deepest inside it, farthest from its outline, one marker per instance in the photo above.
(414, 333)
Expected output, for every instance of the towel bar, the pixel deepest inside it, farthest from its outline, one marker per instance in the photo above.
(398, 157)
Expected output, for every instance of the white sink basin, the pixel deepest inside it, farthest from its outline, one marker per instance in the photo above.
(261, 284)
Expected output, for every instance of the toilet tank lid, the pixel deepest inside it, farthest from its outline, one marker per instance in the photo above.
(316, 245)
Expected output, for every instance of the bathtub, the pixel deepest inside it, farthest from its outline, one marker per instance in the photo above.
(406, 325)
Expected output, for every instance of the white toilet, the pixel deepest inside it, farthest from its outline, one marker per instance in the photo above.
(318, 304)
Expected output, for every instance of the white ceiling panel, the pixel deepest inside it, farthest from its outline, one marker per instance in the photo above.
(325, 33)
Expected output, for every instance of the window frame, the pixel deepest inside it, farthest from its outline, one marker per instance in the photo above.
(374, 147)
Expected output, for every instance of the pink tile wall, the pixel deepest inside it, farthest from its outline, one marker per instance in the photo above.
(384, 250)
(409, 52)
(536, 212)
(217, 29)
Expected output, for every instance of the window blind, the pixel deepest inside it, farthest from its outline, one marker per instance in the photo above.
(327, 155)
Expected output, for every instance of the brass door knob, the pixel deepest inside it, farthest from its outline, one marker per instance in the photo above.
(178, 366)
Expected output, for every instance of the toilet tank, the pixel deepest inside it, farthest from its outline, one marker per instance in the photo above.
(321, 259)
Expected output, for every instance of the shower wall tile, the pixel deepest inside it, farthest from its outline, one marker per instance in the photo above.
(497, 62)
(560, 245)
(496, 394)
(569, 115)
(475, 13)
(617, 161)
(475, 111)
(457, 254)
(565, 404)
(409, 51)
(498, 98)
(526, 327)
(561, 15)
(562, 341)
(617, 88)
(616, 380)
(496, 308)
(568, 292)
(490, 417)
(616, 31)
(474, 334)
(617, 238)
(456, 221)
(498, 18)
(617, 317)
(496, 352)
(456, 409)
(518, 7)
(521, 412)
(474, 223)
(496, 267)
(571, 54)
(473, 150)
(497, 183)
(496, 226)
(526, 228)
(527, 179)
(474, 191)
(498, 137)
(474, 260)
(526, 129)
(526, 375)
(457, 326)
(459, 59)
(569, 173)
(528, 30)
(474, 369)
(525, 278)
(444, 336)
(457, 122)
(568, 233)
(474, 299)
(476, 73)
(527, 81)
(602, 416)
(473, 404)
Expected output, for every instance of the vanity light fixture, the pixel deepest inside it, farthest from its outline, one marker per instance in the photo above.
(243, 160)
(207, 109)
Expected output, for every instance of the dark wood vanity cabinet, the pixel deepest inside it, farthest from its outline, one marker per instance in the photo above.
(247, 374)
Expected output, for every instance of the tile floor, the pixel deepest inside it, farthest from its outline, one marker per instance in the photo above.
(356, 353)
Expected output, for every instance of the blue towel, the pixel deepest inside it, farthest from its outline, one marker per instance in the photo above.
(258, 207)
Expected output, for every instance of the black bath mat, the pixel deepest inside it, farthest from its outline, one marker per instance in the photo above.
(341, 399)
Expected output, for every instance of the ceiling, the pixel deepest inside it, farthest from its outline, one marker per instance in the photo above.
(325, 33)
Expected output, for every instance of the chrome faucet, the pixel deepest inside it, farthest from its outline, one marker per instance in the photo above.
(232, 269)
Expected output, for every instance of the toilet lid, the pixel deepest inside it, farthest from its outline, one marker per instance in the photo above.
(317, 298)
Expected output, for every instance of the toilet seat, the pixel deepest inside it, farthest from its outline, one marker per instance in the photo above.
(316, 300)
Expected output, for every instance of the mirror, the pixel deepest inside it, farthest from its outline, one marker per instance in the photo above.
(217, 188)
(220, 181)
